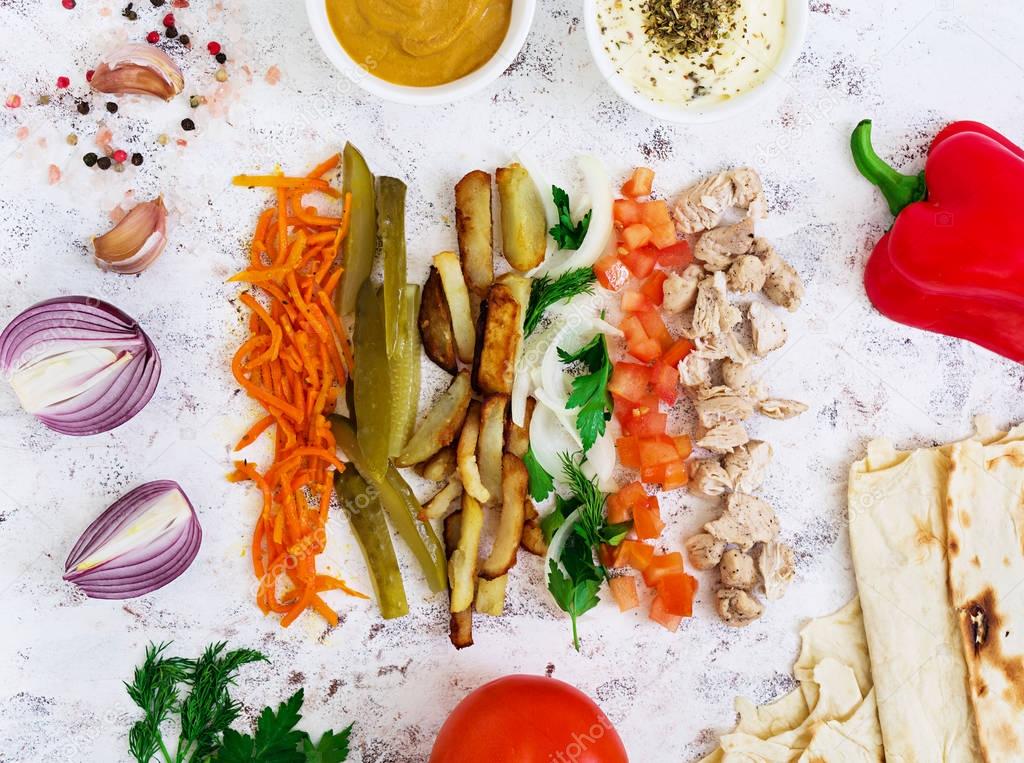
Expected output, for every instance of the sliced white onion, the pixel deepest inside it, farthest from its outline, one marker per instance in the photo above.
(598, 186)
(600, 461)
(550, 437)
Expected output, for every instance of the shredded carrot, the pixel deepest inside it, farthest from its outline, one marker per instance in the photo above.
(294, 363)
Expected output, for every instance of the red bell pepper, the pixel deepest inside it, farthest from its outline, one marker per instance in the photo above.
(953, 261)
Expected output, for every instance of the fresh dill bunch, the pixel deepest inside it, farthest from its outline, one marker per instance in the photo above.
(545, 292)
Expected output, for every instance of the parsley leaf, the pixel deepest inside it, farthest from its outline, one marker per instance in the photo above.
(332, 748)
(574, 598)
(275, 739)
(590, 391)
(544, 293)
(613, 535)
(565, 234)
(563, 508)
(541, 483)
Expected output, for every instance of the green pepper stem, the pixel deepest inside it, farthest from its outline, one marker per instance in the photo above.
(898, 189)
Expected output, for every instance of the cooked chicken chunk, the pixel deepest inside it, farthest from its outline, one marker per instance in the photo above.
(719, 248)
(720, 409)
(738, 608)
(778, 408)
(737, 376)
(746, 274)
(680, 290)
(704, 551)
(710, 477)
(737, 570)
(746, 520)
(724, 438)
(767, 329)
(695, 370)
(776, 567)
(747, 465)
(712, 311)
(782, 284)
(701, 207)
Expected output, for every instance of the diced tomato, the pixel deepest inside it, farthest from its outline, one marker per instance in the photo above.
(646, 350)
(655, 328)
(636, 236)
(674, 476)
(661, 616)
(618, 510)
(660, 449)
(653, 287)
(663, 236)
(635, 554)
(639, 345)
(606, 555)
(628, 450)
(684, 446)
(665, 380)
(655, 213)
(676, 591)
(647, 519)
(632, 495)
(624, 590)
(630, 381)
(633, 329)
(626, 211)
(678, 255)
(640, 184)
(626, 410)
(636, 302)
(644, 425)
(679, 350)
(611, 272)
(640, 263)
(662, 565)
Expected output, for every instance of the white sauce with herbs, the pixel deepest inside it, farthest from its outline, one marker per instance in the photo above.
(744, 60)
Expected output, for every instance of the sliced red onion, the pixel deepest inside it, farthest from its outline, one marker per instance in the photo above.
(146, 539)
(79, 365)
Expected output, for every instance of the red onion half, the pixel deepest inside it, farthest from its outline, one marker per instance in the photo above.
(141, 543)
(79, 365)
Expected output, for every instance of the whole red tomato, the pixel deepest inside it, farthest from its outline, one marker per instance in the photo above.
(528, 719)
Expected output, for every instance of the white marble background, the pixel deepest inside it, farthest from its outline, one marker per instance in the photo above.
(911, 65)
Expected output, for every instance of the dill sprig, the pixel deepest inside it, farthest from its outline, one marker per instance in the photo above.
(545, 292)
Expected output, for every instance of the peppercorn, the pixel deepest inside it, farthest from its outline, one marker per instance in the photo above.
(118, 168)
(213, 47)
(120, 155)
(157, 3)
(187, 124)
(221, 58)
(169, 19)
(83, 107)
(89, 159)
(89, 74)
(153, 37)
(72, 139)
(183, 39)
(132, 16)
(136, 159)
(172, 32)
(111, 107)
(69, 4)
(63, 82)
(221, 75)
(195, 101)
(43, 100)
(103, 162)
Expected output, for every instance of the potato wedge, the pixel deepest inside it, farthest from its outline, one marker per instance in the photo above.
(492, 443)
(524, 227)
(455, 291)
(475, 229)
(435, 322)
(437, 507)
(461, 623)
(462, 563)
(514, 482)
(501, 329)
(490, 596)
(517, 438)
(441, 424)
(439, 467)
(533, 537)
(469, 472)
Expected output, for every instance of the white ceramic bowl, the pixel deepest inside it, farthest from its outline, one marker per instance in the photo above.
(519, 26)
(797, 15)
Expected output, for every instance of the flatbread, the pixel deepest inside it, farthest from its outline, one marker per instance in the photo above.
(833, 668)
(985, 520)
(898, 540)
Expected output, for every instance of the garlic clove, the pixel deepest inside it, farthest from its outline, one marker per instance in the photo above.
(136, 241)
(139, 69)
